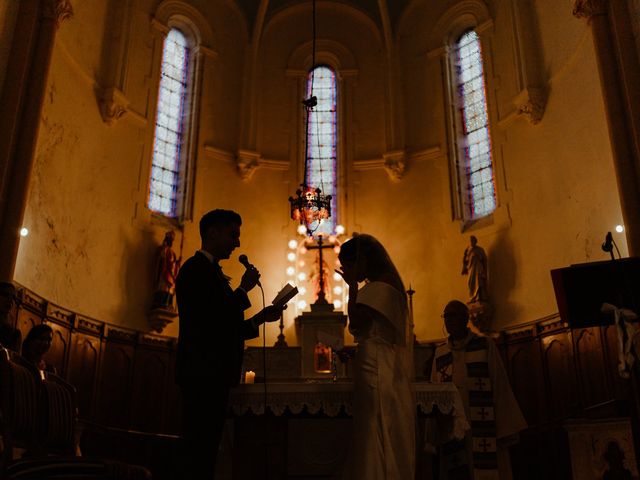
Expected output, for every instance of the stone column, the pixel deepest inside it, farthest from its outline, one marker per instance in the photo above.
(20, 112)
(622, 132)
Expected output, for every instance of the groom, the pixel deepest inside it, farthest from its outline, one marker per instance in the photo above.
(211, 337)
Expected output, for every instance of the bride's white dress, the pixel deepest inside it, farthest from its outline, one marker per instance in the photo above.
(384, 409)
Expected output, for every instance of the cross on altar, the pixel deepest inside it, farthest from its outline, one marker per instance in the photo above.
(320, 246)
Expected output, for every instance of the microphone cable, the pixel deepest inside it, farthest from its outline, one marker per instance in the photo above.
(264, 391)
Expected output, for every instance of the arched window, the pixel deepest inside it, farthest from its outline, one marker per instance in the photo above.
(322, 166)
(168, 169)
(474, 161)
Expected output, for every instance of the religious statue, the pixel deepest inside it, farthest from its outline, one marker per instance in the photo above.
(474, 264)
(167, 266)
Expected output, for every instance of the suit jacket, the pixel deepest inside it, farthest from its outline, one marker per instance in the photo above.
(212, 325)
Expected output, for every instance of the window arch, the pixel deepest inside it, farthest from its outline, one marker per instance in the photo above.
(476, 181)
(322, 138)
(168, 169)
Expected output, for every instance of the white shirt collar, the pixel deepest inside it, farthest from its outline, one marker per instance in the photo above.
(208, 255)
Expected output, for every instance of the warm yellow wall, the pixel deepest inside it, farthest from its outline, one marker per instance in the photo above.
(556, 184)
(92, 242)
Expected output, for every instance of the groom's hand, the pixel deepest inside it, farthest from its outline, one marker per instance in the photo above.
(272, 313)
(250, 278)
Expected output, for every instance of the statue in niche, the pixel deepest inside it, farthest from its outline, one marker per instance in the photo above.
(474, 264)
(167, 266)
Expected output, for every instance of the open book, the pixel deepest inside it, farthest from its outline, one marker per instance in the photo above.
(287, 293)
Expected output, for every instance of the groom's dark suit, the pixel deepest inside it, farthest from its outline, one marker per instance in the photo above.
(209, 357)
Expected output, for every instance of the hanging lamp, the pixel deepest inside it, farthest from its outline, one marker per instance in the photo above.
(310, 206)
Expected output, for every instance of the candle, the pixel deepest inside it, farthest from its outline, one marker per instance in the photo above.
(250, 376)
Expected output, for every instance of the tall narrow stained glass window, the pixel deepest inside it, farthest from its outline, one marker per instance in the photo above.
(475, 164)
(322, 166)
(167, 168)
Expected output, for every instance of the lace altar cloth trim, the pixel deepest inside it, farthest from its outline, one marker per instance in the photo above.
(331, 398)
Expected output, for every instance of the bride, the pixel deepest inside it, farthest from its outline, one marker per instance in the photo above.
(384, 410)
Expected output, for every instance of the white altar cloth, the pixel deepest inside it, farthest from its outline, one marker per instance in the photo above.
(330, 398)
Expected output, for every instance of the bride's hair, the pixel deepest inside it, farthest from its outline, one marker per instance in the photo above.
(379, 265)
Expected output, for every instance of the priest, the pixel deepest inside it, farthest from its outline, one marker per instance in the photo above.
(472, 362)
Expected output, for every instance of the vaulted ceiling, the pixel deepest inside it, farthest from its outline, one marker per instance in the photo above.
(380, 11)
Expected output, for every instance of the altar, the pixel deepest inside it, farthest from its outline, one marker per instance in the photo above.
(293, 419)
(303, 430)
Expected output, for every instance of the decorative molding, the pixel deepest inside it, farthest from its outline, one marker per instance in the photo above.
(395, 164)
(219, 154)
(531, 103)
(552, 325)
(89, 325)
(57, 10)
(427, 154)
(121, 335)
(519, 334)
(589, 8)
(273, 164)
(113, 105)
(164, 343)
(60, 315)
(247, 162)
(32, 302)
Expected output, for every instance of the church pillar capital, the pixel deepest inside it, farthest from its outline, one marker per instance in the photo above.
(247, 162)
(395, 164)
(57, 10)
(590, 8)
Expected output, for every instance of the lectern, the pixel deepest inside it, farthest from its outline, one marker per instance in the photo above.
(582, 289)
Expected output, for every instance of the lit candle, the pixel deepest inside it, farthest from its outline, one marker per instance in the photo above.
(250, 377)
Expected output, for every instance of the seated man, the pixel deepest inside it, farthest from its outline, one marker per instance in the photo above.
(473, 364)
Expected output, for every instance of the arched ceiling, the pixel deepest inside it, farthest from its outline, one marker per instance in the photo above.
(380, 11)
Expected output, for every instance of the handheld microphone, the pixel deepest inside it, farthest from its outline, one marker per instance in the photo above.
(244, 260)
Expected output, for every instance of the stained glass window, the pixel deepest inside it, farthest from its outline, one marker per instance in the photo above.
(170, 126)
(323, 139)
(475, 164)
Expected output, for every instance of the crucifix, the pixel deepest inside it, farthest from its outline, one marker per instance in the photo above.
(321, 270)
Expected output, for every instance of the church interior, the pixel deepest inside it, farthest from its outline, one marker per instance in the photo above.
(442, 128)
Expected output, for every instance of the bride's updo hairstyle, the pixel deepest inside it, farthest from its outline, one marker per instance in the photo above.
(379, 266)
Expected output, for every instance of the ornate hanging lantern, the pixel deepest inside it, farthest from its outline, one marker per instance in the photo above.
(310, 206)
